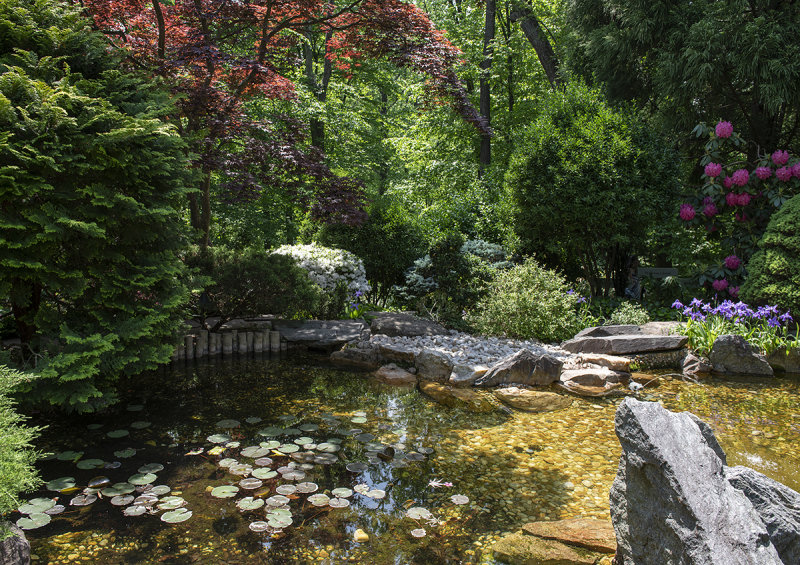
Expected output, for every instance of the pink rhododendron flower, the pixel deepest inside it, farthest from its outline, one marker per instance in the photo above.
(733, 291)
(687, 212)
(710, 210)
(763, 173)
(740, 177)
(732, 199)
(780, 157)
(724, 129)
(727, 182)
(742, 218)
(719, 285)
(713, 170)
(796, 169)
(744, 199)
(784, 174)
(732, 262)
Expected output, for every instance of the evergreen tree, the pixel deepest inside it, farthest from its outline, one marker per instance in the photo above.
(90, 181)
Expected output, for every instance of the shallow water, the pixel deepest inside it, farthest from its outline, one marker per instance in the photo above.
(513, 468)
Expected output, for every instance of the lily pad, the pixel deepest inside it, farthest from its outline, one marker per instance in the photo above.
(125, 453)
(419, 533)
(37, 506)
(225, 491)
(62, 483)
(459, 499)
(255, 451)
(146, 499)
(356, 467)
(171, 503)
(116, 434)
(259, 526)
(425, 450)
(228, 424)
(142, 479)
(83, 500)
(140, 425)
(419, 513)
(250, 484)
(151, 468)
(288, 448)
(287, 418)
(295, 475)
(282, 511)
(279, 522)
(232, 444)
(359, 420)
(342, 492)
(227, 462)
(159, 490)
(286, 490)
(216, 450)
(271, 444)
(271, 431)
(118, 489)
(264, 473)
(57, 509)
(249, 503)
(319, 499)
(306, 488)
(240, 469)
(175, 516)
(376, 494)
(263, 461)
(308, 427)
(365, 438)
(252, 420)
(135, 407)
(291, 432)
(304, 440)
(219, 438)
(94, 426)
(69, 455)
(361, 488)
(277, 500)
(415, 456)
(326, 459)
(33, 521)
(338, 503)
(137, 510)
(122, 500)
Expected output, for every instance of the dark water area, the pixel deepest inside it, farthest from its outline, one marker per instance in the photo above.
(463, 478)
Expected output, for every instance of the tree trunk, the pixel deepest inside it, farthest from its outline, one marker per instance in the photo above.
(320, 90)
(383, 167)
(486, 95)
(25, 314)
(532, 29)
(205, 212)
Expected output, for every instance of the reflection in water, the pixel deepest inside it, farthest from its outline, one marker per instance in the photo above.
(513, 469)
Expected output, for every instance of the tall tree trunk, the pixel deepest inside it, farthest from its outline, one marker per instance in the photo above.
(485, 158)
(533, 30)
(205, 211)
(319, 89)
(383, 167)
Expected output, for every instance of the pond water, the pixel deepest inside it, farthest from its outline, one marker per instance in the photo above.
(464, 478)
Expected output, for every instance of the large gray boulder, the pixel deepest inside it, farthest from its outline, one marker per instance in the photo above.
(400, 324)
(671, 502)
(785, 362)
(15, 549)
(523, 367)
(731, 354)
(778, 506)
(433, 366)
(625, 344)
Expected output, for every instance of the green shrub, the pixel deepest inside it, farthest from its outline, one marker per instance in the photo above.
(629, 313)
(250, 282)
(528, 301)
(774, 270)
(17, 454)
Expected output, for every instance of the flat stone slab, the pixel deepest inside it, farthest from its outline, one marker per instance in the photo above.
(590, 533)
(521, 549)
(625, 344)
(613, 362)
(593, 376)
(310, 331)
(532, 400)
(395, 376)
(590, 390)
(400, 324)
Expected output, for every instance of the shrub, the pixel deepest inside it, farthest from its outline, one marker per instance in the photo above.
(250, 282)
(528, 301)
(17, 454)
(629, 313)
(328, 267)
(774, 270)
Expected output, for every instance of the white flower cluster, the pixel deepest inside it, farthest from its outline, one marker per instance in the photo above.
(328, 267)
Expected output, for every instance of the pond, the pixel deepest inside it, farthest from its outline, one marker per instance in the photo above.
(426, 483)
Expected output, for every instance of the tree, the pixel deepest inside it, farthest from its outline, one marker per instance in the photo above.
(221, 54)
(90, 183)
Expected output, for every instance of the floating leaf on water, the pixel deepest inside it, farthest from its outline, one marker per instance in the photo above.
(118, 489)
(57, 509)
(116, 434)
(327, 447)
(83, 500)
(228, 424)
(171, 503)
(271, 444)
(361, 488)
(282, 511)
(62, 483)
(218, 438)
(342, 492)
(425, 450)
(252, 420)
(227, 462)
(250, 484)
(151, 468)
(37, 506)
(255, 451)
(112, 465)
(263, 461)
(99, 482)
(306, 488)
(364, 438)
(142, 479)
(336, 440)
(33, 521)
(146, 499)
(240, 469)
(225, 491)
(296, 475)
(288, 448)
(291, 432)
(308, 427)
(125, 453)
(415, 456)
(319, 499)
(264, 473)
(303, 457)
(259, 526)
(216, 450)
(249, 503)
(175, 516)
(356, 467)
(232, 444)
(459, 499)
(135, 407)
(286, 490)
(122, 500)
(277, 500)
(287, 418)
(304, 440)
(419, 533)
(271, 431)
(359, 413)
(376, 494)
(94, 426)
(419, 513)
(69, 455)
(135, 510)
(140, 425)
(359, 420)
(338, 503)
(159, 490)
(279, 522)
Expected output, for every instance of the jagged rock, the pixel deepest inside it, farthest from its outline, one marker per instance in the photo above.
(400, 324)
(613, 362)
(456, 397)
(466, 375)
(520, 549)
(780, 361)
(590, 533)
(523, 367)
(398, 353)
(357, 357)
(695, 366)
(15, 549)
(624, 344)
(433, 366)
(593, 376)
(670, 501)
(532, 400)
(731, 354)
(393, 375)
(778, 506)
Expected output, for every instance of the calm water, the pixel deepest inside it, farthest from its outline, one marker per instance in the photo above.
(512, 468)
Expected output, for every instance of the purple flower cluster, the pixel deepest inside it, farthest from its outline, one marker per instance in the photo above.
(738, 312)
(724, 129)
(687, 212)
(713, 170)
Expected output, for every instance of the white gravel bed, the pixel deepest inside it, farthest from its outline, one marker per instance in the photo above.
(465, 349)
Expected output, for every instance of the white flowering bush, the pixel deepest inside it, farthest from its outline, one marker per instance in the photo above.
(329, 267)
